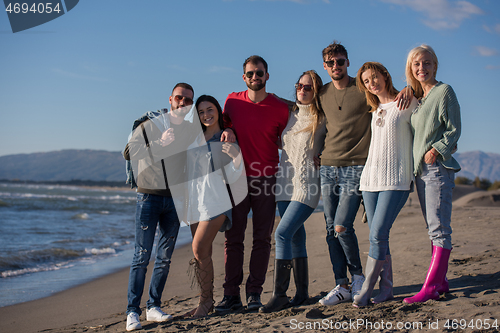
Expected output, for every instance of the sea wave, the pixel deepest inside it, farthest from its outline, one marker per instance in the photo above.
(34, 258)
(114, 198)
(94, 251)
(81, 216)
(37, 269)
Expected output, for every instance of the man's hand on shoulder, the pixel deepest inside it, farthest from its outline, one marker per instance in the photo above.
(228, 136)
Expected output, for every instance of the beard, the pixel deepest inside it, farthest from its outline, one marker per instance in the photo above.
(182, 111)
(338, 77)
(256, 86)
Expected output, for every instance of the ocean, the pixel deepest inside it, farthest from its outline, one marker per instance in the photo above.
(55, 237)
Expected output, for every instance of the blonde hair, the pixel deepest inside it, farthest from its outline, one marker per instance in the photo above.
(316, 110)
(372, 99)
(410, 79)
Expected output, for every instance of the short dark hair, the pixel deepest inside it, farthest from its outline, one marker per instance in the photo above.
(184, 85)
(255, 59)
(333, 49)
(211, 99)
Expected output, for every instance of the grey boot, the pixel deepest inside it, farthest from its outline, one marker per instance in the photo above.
(385, 283)
(279, 300)
(372, 271)
(301, 277)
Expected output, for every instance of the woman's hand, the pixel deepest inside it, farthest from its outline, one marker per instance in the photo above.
(233, 152)
(167, 137)
(230, 150)
(317, 161)
(431, 156)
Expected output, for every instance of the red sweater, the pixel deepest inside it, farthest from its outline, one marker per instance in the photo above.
(258, 127)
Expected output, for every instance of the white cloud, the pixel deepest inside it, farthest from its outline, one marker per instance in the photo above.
(441, 14)
(486, 51)
(492, 29)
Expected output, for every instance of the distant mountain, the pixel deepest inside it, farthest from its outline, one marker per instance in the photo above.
(64, 165)
(480, 164)
(100, 165)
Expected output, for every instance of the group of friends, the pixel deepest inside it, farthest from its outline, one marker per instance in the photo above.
(352, 140)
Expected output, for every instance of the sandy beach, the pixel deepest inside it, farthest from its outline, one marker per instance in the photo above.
(473, 302)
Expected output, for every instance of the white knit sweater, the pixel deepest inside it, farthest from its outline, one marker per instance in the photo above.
(390, 161)
(298, 177)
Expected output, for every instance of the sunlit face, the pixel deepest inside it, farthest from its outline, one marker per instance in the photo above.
(303, 96)
(423, 68)
(374, 82)
(336, 71)
(208, 113)
(181, 101)
(255, 82)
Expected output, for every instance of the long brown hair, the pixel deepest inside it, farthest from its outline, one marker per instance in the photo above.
(372, 99)
(316, 110)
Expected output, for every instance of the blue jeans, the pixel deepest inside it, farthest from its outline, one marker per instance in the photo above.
(434, 188)
(152, 210)
(290, 235)
(341, 199)
(382, 208)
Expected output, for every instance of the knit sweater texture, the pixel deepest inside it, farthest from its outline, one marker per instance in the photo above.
(436, 123)
(348, 130)
(390, 162)
(298, 178)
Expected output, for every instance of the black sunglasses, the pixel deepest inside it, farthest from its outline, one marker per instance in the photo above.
(340, 62)
(307, 87)
(259, 73)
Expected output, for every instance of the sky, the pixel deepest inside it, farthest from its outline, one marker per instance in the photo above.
(79, 81)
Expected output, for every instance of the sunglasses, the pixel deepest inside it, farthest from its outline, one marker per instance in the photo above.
(380, 120)
(250, 74)
(187, 100)
(339, 62)
(307, 87)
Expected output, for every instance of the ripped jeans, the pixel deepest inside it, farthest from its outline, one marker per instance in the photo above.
(341, 199)
(152, 210)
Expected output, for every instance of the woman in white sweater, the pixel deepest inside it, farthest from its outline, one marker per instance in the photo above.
(387, 176)
(297, 190)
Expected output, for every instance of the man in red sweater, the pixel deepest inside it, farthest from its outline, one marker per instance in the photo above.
(258, 118)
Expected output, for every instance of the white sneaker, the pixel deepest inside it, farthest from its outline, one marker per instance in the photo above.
(155, 314)
(336, 296)
(133, 322)
(357, 284)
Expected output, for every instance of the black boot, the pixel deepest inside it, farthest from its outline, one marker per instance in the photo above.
(301, 277)
(279, 300)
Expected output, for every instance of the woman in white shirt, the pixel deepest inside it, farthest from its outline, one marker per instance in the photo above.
(387, 176)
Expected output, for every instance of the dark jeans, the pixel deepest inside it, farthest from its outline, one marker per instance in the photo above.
(152, 210)
(261, 200)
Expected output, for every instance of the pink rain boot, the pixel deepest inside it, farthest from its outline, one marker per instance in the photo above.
(435, 277)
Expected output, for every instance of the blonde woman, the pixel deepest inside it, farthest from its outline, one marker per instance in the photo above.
(436, 125)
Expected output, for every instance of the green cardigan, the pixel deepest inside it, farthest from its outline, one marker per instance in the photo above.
(436, 123)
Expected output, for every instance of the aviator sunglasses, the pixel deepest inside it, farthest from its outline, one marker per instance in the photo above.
(307, 87)
(340, 62)
(249, 74)
(187, 100)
